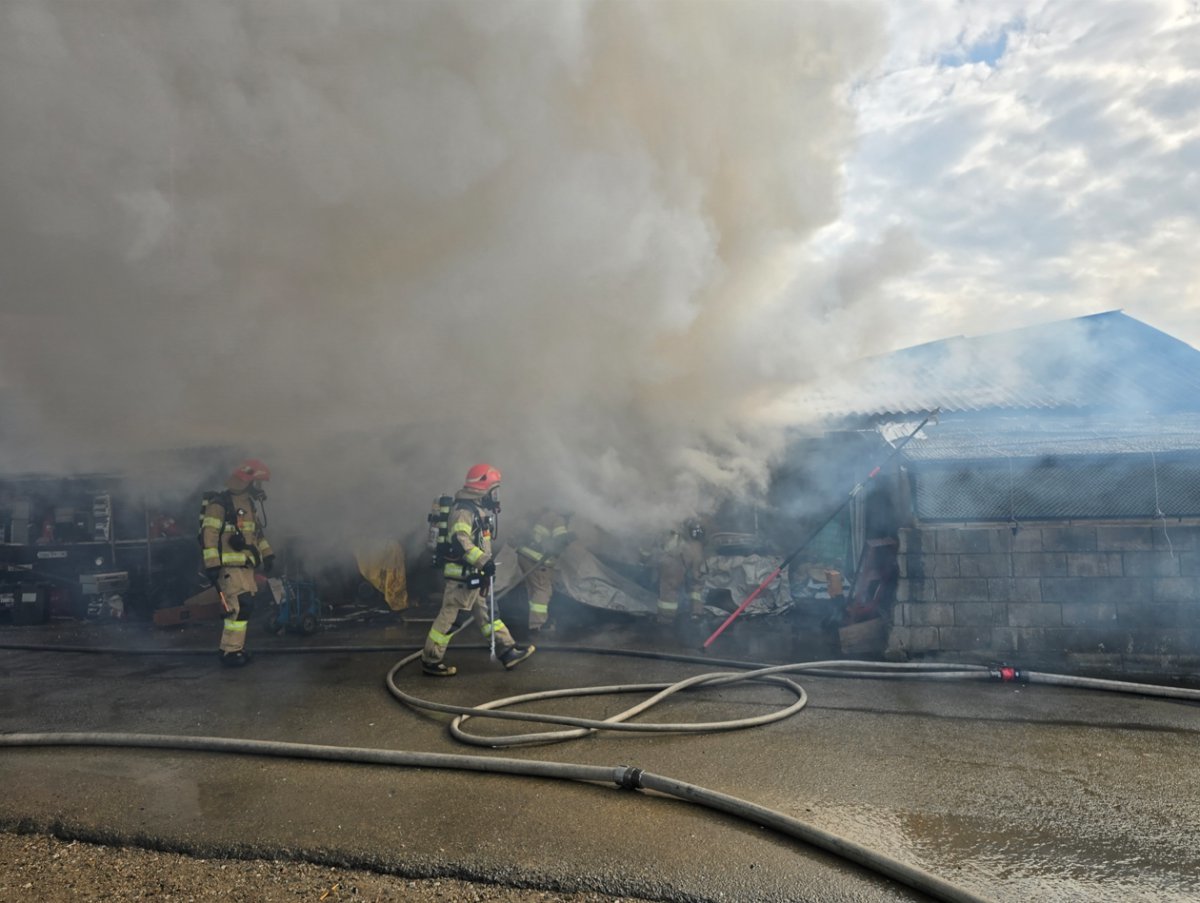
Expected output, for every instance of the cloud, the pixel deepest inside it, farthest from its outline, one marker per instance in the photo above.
(1051, 180)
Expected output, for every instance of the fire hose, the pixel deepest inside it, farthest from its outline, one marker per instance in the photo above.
(625, 777)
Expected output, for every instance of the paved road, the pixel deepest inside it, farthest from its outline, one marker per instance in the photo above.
(1015, 793)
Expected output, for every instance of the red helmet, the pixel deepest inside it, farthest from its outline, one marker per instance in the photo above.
(251, 470)
(482, 477)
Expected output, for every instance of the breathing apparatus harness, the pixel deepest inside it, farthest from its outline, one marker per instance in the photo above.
(231, 527)
(447, 554)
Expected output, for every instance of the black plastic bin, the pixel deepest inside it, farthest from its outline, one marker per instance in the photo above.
(30, 605)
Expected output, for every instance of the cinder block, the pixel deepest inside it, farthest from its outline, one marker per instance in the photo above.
(1040, 614)
(909, 541)
(957, 540)
(1160, 643)
(1088, 614)
(913, 639)
(980, 614)
(1069, 539)
(1039, 564)
(1004, 640)
(1175, 537)
(908, 590)
(1094, 564)
(959, 589)
(985, 565)
(1027, 539)
(1140, 616)
(1150, 564)
(1022, 640)
(966, 639)
(941, 565)
(1096, 589)
(1095, 640)
(1189, 564)
(1015, 589)
(1095, 661)
(931, 614)
(1176, 589)
(1124, 539)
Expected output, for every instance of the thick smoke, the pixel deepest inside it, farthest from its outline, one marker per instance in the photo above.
(375, 242)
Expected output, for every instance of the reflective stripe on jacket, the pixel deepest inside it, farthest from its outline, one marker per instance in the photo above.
(547, 539)
(220, 534)
(470, 531)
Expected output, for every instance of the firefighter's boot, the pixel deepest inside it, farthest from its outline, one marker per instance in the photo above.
(438, 669)
(514, 655)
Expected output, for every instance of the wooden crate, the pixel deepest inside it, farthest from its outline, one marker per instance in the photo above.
(865, 637)
(204, 606)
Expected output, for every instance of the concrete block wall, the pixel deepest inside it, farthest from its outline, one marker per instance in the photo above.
(1124, 597)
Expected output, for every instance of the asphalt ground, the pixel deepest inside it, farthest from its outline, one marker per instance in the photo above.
(1012, 792)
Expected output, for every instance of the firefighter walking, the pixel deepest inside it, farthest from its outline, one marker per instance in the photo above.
(233, 546)
(681, 569)
(547, 539)
(469, 569)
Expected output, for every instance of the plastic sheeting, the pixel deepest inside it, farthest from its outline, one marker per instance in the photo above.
(384, 569)
(741, 575)
(584, 577)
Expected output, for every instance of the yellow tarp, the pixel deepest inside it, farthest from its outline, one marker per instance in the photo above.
(384, 569)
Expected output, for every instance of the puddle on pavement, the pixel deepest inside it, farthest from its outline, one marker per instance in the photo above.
(1024, 861)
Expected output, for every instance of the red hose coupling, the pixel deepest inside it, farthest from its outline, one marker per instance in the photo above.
(1006, 673)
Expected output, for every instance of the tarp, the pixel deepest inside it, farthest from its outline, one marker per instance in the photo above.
(583, 576)
(741, 575)
(384, 569)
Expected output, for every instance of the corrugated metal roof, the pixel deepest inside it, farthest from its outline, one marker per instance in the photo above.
(1039, 436)
(1107, 361)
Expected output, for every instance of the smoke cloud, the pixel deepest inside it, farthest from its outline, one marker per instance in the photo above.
(375, 243)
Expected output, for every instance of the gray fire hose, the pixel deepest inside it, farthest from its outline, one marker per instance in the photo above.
(623, 776)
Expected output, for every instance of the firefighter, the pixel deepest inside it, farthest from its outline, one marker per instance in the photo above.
(545, 542)
(681, 569)
(469, 571)
(234, 545)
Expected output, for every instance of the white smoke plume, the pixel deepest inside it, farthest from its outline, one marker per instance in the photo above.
(374, 243)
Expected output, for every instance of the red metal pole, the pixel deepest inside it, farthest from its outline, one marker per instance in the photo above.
(775, 573)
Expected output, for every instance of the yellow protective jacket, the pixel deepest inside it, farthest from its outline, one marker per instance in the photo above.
(221, 529)
(470, 527)
(687, 554)
(547, 539)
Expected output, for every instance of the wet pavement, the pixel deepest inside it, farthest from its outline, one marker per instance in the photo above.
(1013, 792)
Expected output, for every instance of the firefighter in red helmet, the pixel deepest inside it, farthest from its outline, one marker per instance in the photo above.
(469, 571)
(233, 546)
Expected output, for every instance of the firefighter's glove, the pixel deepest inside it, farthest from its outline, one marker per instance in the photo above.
(488, 569)
(268, 564)
(214, 576)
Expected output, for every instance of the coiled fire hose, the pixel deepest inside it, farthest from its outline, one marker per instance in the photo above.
(626, 777)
